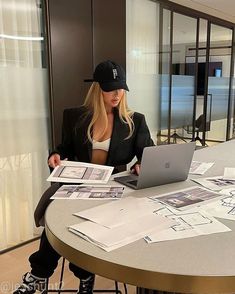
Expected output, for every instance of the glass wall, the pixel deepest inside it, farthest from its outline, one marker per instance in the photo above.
(165, 72)
(183, 74)
(218, 81)
(195, 66)
(142, 60)
(24, 118)
(178, 69)
(232, 121)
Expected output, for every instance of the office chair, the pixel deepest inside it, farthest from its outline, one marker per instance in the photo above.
(199, 128)
(61, 290)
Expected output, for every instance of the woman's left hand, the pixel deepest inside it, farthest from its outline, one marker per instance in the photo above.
(136, 169)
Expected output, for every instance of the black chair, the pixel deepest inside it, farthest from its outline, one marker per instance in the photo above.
(200, 128)
(61, 290)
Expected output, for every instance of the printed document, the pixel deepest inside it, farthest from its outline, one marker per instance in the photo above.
(113, 238)
(215, 183)
(80, 172)
(224, 207)
(186, 198)
(88, 192)
(190, 223)
(199, 168)
(116, 213)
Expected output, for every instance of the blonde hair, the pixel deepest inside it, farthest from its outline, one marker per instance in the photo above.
(94, 102)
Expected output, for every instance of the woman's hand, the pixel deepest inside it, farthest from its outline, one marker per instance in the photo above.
(136, 169)
(54, 160)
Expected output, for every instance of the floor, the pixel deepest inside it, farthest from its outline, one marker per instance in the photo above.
(15, 263)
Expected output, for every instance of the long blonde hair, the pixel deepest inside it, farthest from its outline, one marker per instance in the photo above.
(94, 102)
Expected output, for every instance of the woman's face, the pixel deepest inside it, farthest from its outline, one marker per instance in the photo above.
(112, 99)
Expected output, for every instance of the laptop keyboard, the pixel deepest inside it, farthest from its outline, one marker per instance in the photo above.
(126, 178)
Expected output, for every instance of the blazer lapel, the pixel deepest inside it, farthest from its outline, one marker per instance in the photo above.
(89, 150)
(82, 137)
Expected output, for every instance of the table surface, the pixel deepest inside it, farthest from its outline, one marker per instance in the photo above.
(200, 264)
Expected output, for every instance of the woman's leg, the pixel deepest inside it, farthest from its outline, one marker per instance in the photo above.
(44, 261)
(87, 279)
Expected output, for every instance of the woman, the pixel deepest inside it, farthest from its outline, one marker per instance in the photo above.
(102, 131)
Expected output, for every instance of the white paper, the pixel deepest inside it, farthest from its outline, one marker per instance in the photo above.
(80, 172)
(224, 207)
(215, 183)
(199, 168)
(229, 173)
(186, 198)
(89, 192)
(110, 239)
(190, 223)
(119, 212)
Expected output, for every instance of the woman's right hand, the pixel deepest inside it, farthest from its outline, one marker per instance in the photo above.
(54, 160)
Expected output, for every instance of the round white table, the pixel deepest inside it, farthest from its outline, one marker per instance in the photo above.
(204, 264)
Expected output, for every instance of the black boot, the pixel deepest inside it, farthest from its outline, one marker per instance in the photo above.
(87, 285)
(30, 284)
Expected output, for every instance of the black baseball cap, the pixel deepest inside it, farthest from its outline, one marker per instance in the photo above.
(110, 76)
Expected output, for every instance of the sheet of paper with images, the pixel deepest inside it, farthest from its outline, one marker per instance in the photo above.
(190, 223)
(187, 198)
(118, 236)
(199, 168)
(223, 207)
(80, 172)
(215, 183)
(89, 192)
(116, 213)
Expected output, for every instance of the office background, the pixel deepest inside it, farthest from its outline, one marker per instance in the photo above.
(49, 47)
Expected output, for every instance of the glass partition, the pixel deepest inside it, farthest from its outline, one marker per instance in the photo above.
(218, 81)
(142, 31)
(232, 122)
(195, 67)
(183, 76)
(178, 77)
(165, 61)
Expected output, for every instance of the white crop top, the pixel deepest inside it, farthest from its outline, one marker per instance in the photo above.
(104, 145)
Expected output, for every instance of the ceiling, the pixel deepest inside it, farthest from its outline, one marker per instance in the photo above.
(224, 6)
(223, 9)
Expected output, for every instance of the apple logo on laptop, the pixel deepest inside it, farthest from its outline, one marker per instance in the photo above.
(167, 164)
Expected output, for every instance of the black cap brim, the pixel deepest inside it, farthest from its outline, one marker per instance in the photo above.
(111, 86)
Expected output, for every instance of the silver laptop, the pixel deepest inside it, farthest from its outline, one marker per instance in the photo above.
(160, 165)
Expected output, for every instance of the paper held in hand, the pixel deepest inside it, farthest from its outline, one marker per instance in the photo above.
(80, 172)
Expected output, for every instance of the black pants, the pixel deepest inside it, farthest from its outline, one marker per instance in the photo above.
(45, 260)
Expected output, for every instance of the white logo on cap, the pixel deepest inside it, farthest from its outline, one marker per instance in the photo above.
(115, 73)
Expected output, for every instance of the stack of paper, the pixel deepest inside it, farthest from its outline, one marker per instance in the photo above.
(116, 224)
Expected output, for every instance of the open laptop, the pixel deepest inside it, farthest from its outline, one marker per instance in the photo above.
(160, 165)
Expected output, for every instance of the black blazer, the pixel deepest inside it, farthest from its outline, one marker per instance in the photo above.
(76, 146)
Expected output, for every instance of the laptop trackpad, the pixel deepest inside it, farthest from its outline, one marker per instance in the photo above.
(133, 182)
(131, 179)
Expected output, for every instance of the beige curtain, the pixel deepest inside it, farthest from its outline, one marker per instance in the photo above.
(23, 119)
